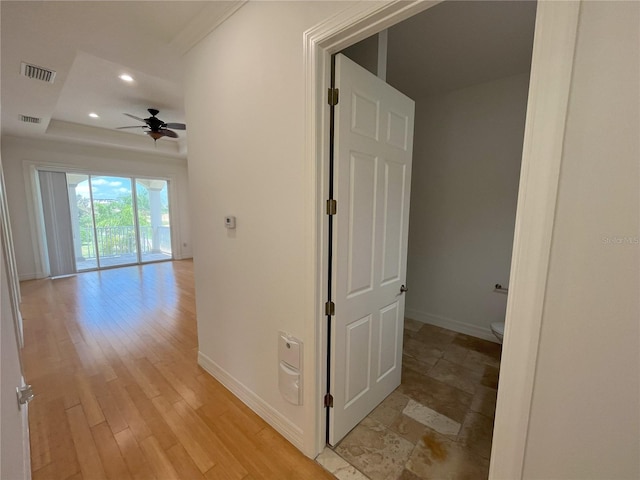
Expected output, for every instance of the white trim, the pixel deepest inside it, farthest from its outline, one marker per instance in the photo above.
(451, 324)
(549, 88)
(202, 25)
(28, 276)
(274, 418)
(555, 35)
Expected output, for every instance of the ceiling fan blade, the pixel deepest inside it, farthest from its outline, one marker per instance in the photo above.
(176, 126)
(169, 133)
(134, 126)
(136, 118)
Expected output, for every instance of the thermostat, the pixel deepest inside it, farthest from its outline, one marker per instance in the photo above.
(230, 221)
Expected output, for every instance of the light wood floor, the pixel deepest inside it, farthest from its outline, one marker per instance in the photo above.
(111, 356)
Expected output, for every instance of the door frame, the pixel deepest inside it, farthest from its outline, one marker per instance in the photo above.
(550, 82)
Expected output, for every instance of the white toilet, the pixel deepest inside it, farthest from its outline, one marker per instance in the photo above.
(498, 330)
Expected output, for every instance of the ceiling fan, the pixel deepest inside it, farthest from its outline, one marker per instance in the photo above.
(156, 127)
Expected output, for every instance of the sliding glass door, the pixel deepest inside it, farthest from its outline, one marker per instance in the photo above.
(115, 224)
(82, 226)
(152, 200)
(115, 220)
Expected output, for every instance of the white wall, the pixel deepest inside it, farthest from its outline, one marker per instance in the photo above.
(466, 166)
(585, 421)
(245, 109)
(19, 153)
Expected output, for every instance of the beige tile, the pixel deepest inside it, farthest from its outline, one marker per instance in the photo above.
(456, 354)
(338, 466)
(428, 329)
(384, 414)
(484, 401)
(486, 347)
(390, 408)
(480, 360)
(436, 457)
(412, 325)
(456, 375)
(490, 377)
(408, 428)
(432, 419)
(417, 365)
(444, 399)
(396, 400)
(426, 353)
(435, 336)
(408, 475)
(375, 451)
(476, 434)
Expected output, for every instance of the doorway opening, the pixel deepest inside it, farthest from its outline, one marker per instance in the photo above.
(93, 222)
(527, 265)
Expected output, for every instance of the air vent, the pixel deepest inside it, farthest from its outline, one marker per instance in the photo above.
(27, 119)
(37, 73)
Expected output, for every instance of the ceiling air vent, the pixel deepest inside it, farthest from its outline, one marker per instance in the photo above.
(37, 73)
(27, 119)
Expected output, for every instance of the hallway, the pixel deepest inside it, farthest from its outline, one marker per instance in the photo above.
(111, 357)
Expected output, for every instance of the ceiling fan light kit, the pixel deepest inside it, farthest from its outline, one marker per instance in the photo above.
(156, 127)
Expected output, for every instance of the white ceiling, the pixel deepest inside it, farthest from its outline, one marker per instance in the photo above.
(460, 43)
(89, 44)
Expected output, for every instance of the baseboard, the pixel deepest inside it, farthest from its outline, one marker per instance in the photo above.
(450, 324)
(28, 276)
(270, 415)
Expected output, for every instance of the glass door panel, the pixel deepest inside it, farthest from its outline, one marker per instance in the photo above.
(152, 201)
(82, 226)
(115, 222)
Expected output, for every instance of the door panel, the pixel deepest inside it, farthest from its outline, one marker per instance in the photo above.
(373, 140)
(362, 201)
(394, 191)
(388, 340)
(358, 355)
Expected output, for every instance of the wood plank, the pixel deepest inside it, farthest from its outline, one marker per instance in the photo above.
(152, 417)
(112, 460)
(133, 456)
(158, 460)
(88, 457)
(184, 432)
(183, 463)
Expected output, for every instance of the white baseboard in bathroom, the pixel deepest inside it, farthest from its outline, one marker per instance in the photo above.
(265, 411)
(450, 324)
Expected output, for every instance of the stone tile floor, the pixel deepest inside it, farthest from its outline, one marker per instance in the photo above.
(438, 424)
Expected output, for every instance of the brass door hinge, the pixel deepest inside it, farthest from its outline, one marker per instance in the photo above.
(329, 308)
(328, 400)
(333, 97)
(332, 207)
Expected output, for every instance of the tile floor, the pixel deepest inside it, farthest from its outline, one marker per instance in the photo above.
(438, 423)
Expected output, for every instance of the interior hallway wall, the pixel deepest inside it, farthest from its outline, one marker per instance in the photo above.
(17, 152)
(245, 108)
(466, 166)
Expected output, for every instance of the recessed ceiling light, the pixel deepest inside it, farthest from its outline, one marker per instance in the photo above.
(126, 78)
(94, 115)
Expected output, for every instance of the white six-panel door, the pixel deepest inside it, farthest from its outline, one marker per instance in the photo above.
(373, 143)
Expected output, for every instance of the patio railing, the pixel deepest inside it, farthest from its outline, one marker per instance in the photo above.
(114, 241)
